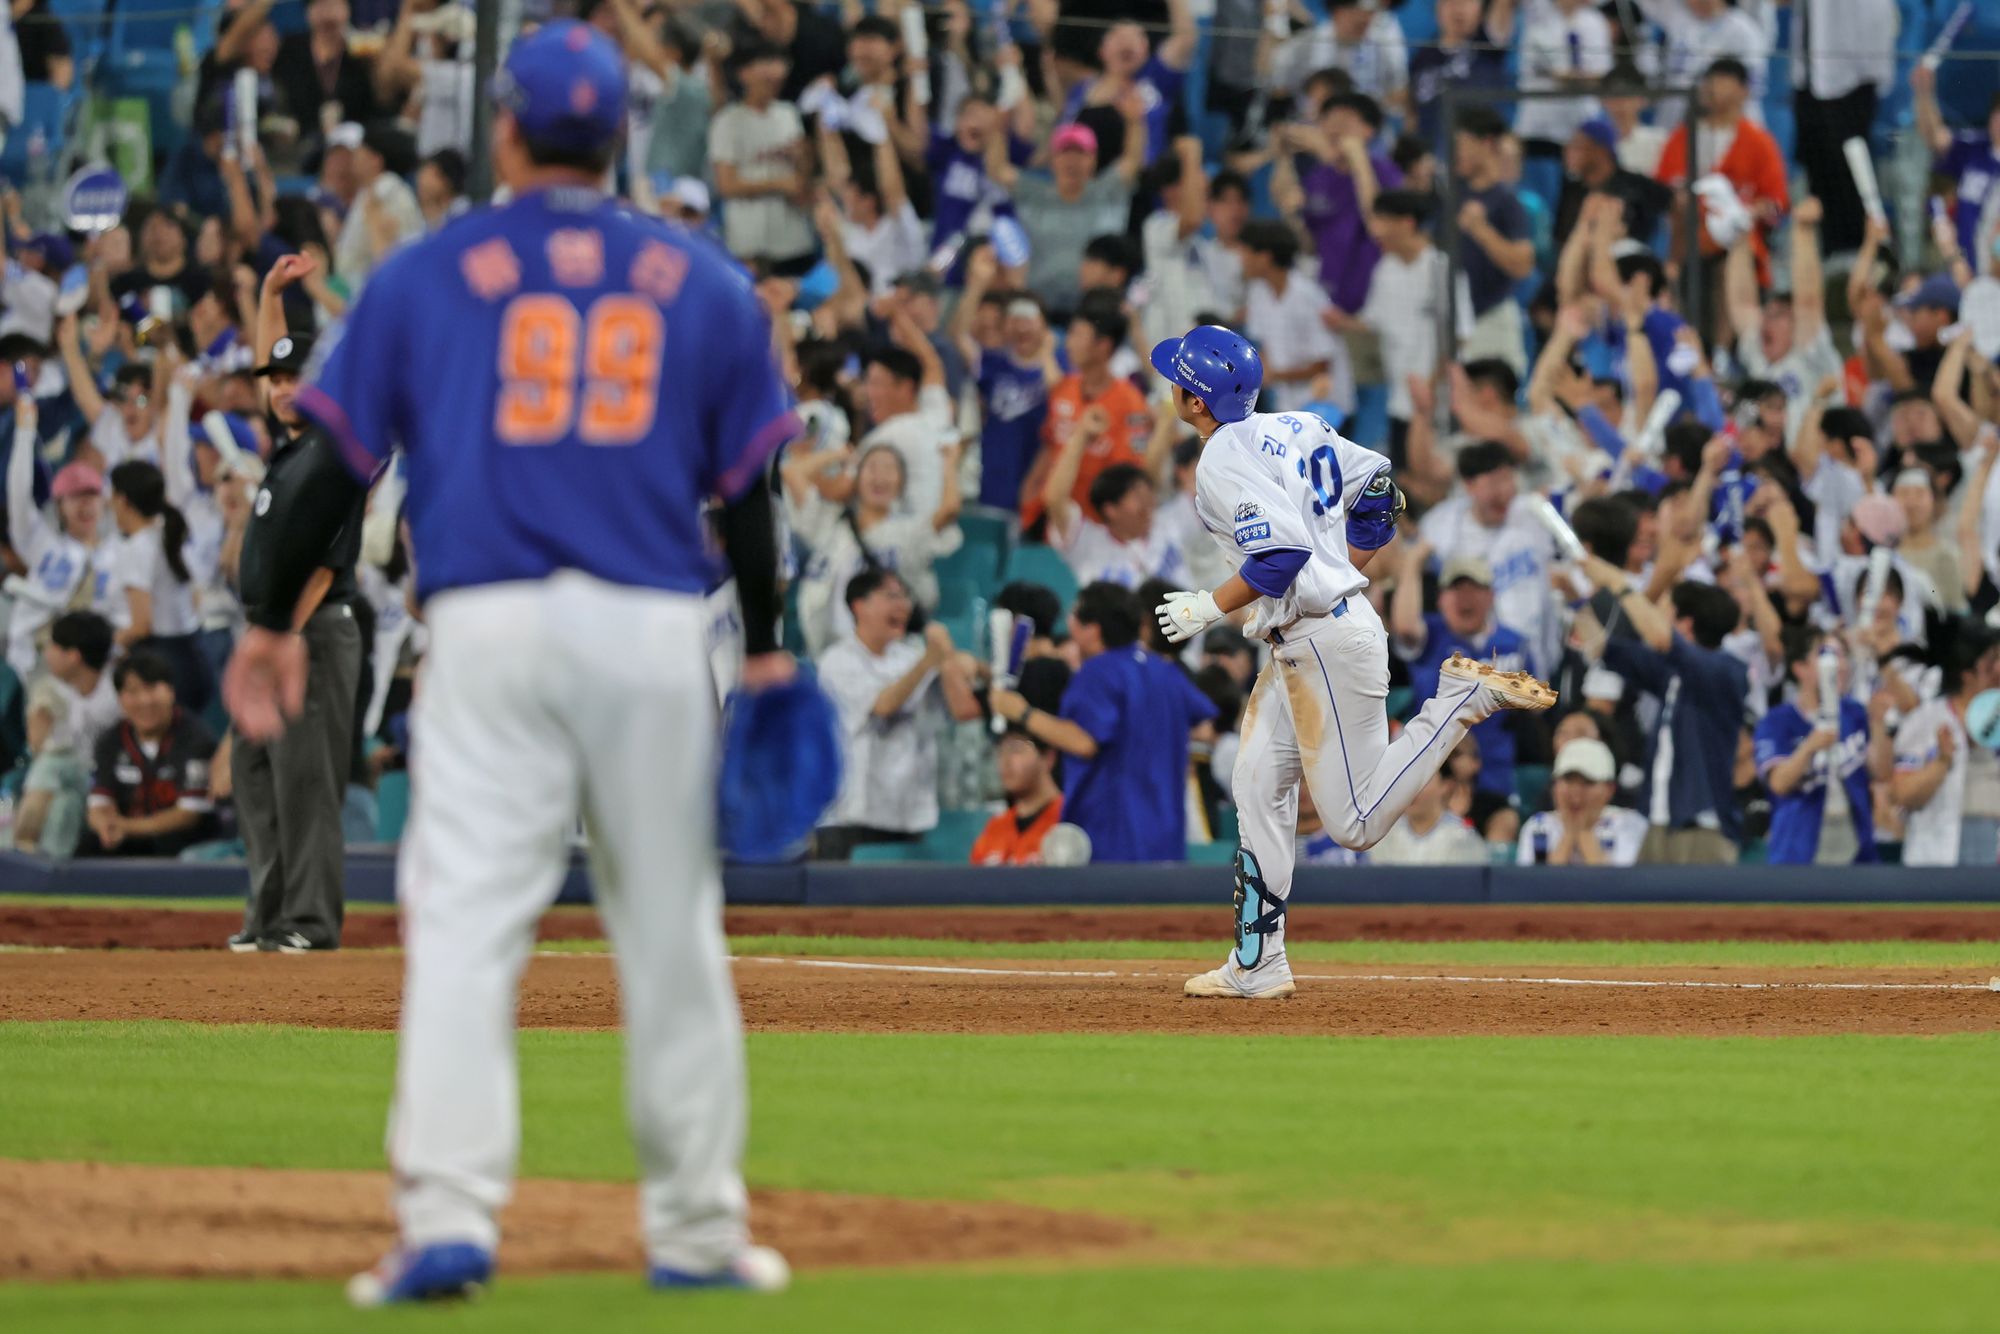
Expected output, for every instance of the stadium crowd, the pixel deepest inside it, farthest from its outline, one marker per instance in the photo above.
(1768, 417)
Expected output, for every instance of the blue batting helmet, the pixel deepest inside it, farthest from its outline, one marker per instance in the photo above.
(1218, 366)
(781, 764)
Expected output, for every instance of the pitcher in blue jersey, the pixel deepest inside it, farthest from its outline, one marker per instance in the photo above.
(571, 384)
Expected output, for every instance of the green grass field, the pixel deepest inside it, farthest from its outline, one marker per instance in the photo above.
(1308, 1183)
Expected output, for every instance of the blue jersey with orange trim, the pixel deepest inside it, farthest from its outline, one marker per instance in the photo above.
(570, 382)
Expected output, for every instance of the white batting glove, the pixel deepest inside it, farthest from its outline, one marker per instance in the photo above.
(1185, 615)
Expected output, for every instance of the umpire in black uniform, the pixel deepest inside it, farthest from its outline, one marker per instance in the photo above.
(294, 577)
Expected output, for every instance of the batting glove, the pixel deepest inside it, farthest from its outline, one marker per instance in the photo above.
(1185, 615)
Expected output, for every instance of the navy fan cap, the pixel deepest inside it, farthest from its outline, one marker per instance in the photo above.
(1218, 366)
(565, 85)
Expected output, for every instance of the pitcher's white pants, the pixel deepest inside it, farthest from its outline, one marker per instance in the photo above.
(1318, 712)
(537, 701)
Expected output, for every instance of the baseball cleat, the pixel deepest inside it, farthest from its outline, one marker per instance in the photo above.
(243, 942)
(1514, 690)
(450, 1269)
(1271, 980)
(755, 1269)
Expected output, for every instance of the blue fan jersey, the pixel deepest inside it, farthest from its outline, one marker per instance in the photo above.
(570, 382)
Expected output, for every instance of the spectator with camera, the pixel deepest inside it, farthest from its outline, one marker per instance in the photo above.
(1126, 723)
(892, 691)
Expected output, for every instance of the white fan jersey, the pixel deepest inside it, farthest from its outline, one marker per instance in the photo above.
(1287, 481)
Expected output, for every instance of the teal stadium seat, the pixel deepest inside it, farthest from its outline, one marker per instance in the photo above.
(1036, 564)
(954, 836)
(1531, 784)
(392, 805)
(885, 852)
(1212, 854)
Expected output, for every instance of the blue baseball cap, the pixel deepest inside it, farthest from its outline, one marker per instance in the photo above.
(1218, 366)
(565, 85)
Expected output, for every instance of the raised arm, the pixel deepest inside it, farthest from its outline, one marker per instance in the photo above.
(1808, 274)
(1971, 534)
(1930, 120)
(1406, 604)
(27, 530)
(1739, 290)
(1958, 416)
(396, 67)
(1810, 443)
(640, 41)
(234, 45)
(950, 497)
(1193, 203)
(1132, 160)
(889, 179)
(1570, 327)
(1177, 51)
(1061, 481)
(82, 381)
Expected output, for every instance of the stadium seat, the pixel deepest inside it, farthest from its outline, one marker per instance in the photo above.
(1227, 827)
(954, 836)
(1531, 784)
(988, 531)
(84, 20)
(1037, 564)
(956, 594)
(392, 805)
(1211, 854)
(42, 113)
(885, 852)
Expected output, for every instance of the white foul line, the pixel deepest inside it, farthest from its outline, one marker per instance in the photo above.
(1468, 980)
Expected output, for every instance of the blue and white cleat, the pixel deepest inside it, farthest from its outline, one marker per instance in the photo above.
(756, 1269)
(450, 1269)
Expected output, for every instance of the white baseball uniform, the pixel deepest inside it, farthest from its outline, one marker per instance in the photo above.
(1289, 482)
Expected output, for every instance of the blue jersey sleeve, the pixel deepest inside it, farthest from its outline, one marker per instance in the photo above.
(1092, 703)
(355, 390)
(1200, 708)
(749, 409)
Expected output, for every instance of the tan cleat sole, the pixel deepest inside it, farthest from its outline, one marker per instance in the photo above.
(1517, 690)
(1212, 986)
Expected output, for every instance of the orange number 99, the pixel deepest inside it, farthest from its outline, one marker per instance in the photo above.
(544, 342)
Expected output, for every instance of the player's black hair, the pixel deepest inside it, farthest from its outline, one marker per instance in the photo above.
(1756, 391)
(1268, 236)
(1115, 483)
(1966, 641)
(899, 362)
(1647, 263)
(1728, 67)
(1607, 526)
(592, 161)
(144, 488)
(1412, 204)
(1361, 104)
(1495, 374)
(1684, 442)
(1800, 640)
(21, 347)
(1480, 122)
(1112, 609)
(1409, 150)
(1215, 682)
(1482, 458)
(1333, 79)
(863, 585)
(295, 221)
(1040, 605)
(1711, 612)
(1104, 318)
(145, 664)
(1115, 249)
(1234, 181)
(87, 634)
(874, 25)
(450, 164)
(1641, 500)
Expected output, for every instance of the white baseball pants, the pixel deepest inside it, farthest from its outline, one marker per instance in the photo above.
(1317, 713)
(539, 701)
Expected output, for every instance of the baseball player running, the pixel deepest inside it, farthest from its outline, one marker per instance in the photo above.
(1300, 510)
(569, 382)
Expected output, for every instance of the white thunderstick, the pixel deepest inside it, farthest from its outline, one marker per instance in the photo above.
(1300, 510)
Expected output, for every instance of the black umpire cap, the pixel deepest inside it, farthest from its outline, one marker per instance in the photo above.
(288, 355)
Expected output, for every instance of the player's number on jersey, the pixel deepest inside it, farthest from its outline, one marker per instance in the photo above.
(1322, 472)
(596, 374)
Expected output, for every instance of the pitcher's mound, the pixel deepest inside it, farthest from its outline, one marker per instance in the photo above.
(97, 1220)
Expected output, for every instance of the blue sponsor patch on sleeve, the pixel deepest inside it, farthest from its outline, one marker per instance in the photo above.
(1252, 532)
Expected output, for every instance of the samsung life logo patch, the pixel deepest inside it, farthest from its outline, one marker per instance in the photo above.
(1252, 532)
